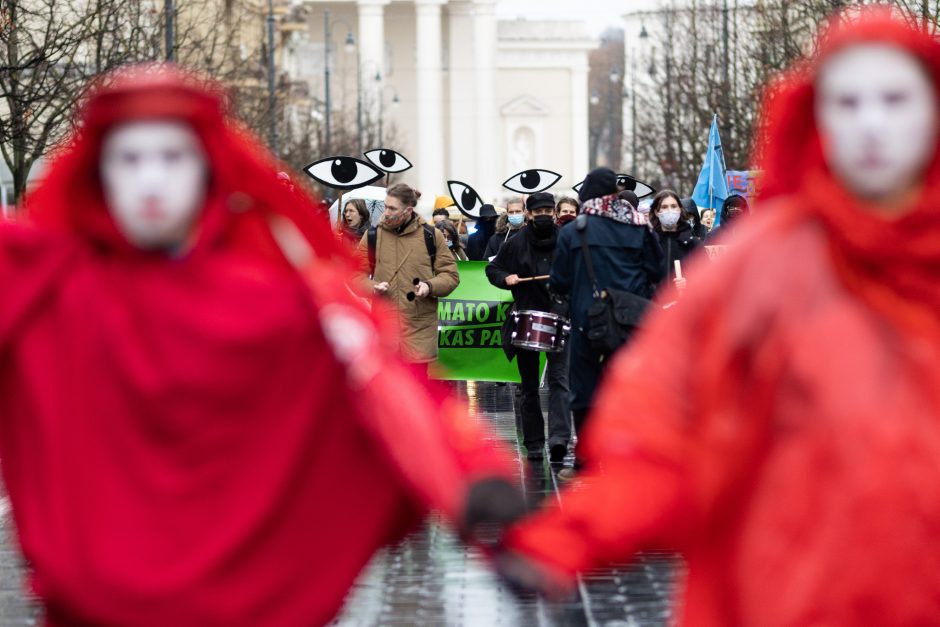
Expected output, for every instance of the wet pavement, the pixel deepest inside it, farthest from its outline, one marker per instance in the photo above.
(431, 579)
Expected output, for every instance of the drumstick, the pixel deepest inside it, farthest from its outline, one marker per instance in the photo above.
(403, 260)
(678, 266)
(543, 277)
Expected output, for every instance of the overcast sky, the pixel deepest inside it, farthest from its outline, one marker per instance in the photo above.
(597, 14)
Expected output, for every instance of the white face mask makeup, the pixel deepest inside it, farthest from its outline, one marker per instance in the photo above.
(876, 111)
(154, 178)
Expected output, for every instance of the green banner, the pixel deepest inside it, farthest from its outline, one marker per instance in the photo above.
(469, 336)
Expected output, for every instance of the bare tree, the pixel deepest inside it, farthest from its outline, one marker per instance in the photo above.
(49, 51)
(716, 57)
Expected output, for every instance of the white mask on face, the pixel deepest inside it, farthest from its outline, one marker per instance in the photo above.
(669, 217)
(876, 111)
(154, 179)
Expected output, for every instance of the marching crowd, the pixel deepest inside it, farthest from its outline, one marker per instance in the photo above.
(532, 251)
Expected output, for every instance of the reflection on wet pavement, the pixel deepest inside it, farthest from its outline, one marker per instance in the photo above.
(431, 579)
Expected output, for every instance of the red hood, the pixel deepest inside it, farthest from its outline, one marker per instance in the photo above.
(892, 264)
(243, 189)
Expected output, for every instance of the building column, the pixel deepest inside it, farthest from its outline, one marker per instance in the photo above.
(463, 138)
(430, 95)
(371, 42)
(484, 48)
(579, 121)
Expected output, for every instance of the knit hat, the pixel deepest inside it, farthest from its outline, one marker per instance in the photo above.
(598, 183)
(539, 200)
(443, 202)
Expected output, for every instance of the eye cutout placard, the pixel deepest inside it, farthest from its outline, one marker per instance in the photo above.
(388, 160)
(626, 182)
(343, 172)
(466, 198)
(641, 189)
(531, 181)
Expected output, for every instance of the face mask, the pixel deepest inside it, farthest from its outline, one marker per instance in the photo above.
(153, 175)
(543, 226)
(876, 112)
(396, 220)
(516, 219)
(450, 244)
(669, 218)
(565, 219)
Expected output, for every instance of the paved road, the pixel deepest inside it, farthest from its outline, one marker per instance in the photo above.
(430, 579)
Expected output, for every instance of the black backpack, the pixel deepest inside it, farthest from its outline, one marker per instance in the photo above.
(372, 238)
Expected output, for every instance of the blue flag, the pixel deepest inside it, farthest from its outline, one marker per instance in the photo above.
(712, 187)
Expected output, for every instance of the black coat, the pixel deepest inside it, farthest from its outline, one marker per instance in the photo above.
(524, 256)
(496, 242)
(625, 257)
(676, 245)
(477, 241)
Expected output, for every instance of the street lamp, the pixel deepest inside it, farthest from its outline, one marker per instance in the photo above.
(169, 12)
(272, 98)
(327, 40)
(594, 97)
(395, 101)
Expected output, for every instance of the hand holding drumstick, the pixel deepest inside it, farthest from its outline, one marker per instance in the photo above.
(513, 279)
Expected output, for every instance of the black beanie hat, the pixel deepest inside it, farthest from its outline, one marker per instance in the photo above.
(630, 197)
(599, 182)
(488, 211)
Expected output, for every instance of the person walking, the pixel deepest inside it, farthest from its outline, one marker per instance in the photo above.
(200, 425)
(412, 266)
(625, 256)
(780, 426)
(674, 228)
(527, 256)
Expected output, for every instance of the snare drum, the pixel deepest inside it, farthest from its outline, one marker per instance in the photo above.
(540, 331)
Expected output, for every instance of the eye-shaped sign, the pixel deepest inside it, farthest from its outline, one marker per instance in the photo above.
(641, 189)
(466, 198)
(343, 172)
(531, 181)
(388, 160)
(627, 182)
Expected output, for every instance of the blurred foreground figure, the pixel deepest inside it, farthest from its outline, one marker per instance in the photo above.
(780, 426)
(199, 425)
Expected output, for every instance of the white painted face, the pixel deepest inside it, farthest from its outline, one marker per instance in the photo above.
(154, 176)
(876, 110)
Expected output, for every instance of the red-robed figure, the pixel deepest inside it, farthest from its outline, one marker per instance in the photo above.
(780, 426)
(199, 423)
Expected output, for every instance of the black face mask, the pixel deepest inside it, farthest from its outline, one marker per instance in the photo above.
(543, 226)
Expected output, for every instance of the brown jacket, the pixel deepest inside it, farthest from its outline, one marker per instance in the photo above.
(408, 253)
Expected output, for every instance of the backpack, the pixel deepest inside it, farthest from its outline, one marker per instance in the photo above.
(372, 239)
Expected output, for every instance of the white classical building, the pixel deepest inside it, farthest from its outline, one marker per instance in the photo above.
(477, 99)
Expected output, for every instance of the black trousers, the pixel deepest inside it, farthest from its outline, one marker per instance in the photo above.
(559, 415)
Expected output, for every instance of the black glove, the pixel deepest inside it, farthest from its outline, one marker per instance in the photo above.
(492, 504)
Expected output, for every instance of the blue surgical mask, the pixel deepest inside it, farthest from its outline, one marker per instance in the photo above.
(516, 219)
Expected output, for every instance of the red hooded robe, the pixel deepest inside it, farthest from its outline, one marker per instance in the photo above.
(214, 439)
(781, 425)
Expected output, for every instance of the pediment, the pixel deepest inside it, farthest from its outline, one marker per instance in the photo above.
(524, 106)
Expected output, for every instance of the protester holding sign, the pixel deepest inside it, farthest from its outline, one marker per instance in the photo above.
(781, 425)
(673, 226)
(520, 263)
(625, 256)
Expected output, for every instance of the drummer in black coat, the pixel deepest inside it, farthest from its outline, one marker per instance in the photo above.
(530, 254)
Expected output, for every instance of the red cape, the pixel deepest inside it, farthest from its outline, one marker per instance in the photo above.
(182, 443)
(780, 426)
